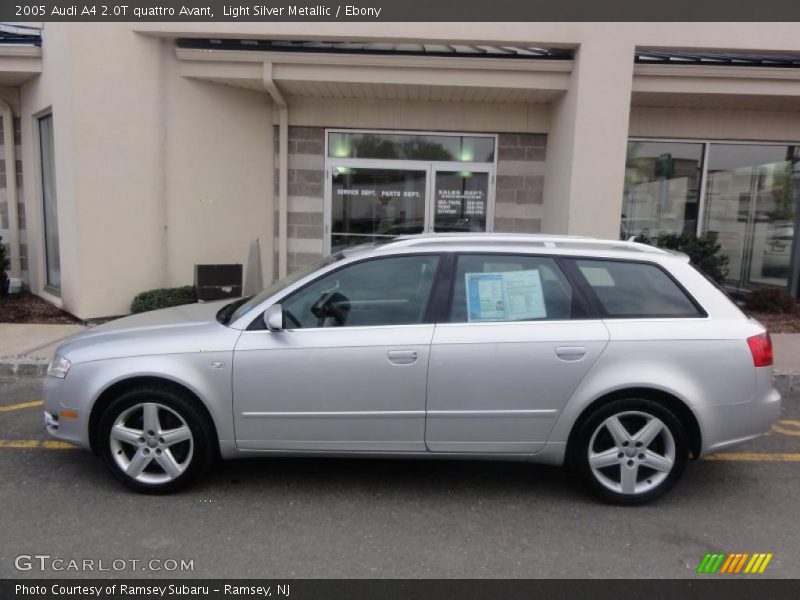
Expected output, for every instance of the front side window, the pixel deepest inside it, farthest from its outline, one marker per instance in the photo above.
(499, 287)
(631, 289)
(384, 291)
(247, 305)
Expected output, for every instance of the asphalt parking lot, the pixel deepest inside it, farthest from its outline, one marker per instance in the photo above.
(282, 518)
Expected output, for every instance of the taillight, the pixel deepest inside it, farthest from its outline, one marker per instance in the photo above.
(761, 349)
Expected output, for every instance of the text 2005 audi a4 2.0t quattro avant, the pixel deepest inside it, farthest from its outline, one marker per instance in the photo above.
(617, 358)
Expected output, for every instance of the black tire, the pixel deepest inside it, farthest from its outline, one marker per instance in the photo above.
(633, 411)
(202, 445)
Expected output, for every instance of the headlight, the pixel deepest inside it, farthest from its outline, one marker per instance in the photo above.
(59, 367)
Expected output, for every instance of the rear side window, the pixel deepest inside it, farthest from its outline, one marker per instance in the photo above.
(632, 289)
(502, 287)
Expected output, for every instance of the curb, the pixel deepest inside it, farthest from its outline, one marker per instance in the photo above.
(786, 382)
(23, 368)
(783, 382)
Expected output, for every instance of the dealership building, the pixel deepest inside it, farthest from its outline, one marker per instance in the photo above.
(133, 152)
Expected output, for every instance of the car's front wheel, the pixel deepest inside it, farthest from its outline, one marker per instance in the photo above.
(630, 451)
(154, 440)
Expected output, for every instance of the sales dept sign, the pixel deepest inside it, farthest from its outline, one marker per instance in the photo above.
(460, 196)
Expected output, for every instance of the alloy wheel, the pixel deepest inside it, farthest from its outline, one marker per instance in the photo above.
(151, 443)
(631, 453)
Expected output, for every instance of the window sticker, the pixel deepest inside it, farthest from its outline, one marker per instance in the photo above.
(598, 276)
(507, 296)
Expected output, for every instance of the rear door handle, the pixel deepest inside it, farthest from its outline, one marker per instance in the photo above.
(570, 352)
(402, 357)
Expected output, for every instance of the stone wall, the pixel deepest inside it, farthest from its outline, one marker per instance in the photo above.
(520, 182)
(306, 195)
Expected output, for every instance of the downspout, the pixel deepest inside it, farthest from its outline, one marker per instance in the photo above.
(7, 115)
(283, 168)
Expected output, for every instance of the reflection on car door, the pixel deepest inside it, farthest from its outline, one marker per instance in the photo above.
(349, 372)
(515, 348)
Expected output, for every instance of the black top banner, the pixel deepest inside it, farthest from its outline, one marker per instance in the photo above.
(400, 10)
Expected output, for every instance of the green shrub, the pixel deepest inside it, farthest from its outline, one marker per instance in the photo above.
(770, 300)
(703, 251)
(4, 264)
(163, 298)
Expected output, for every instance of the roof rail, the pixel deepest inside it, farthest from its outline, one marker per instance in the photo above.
(534, 239)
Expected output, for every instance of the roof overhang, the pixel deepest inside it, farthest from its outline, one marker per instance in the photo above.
(362, 76)
(713, 86)
(19, 63)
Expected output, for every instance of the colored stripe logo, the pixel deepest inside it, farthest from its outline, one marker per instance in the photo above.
(735, 563)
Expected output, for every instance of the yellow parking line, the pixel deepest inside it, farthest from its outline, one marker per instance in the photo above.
(787, 427)
(755, 457)
(21, 405)
(48, 444)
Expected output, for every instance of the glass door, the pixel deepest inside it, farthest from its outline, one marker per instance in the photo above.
(381, 184)
(369, 203)
(459, 199)
(370, 200)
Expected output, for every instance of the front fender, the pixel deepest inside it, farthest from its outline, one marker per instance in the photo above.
(206, 374)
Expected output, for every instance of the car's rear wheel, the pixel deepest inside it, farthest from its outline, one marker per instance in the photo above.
(630, 451)
(155, 440)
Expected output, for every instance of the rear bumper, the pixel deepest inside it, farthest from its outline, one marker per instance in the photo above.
(727, 425)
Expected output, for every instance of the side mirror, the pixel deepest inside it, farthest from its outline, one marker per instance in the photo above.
(273, 318)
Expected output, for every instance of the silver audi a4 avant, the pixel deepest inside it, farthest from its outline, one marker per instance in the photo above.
(618, 359)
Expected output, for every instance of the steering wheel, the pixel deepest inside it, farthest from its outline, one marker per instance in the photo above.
(331, 304)
(292, 319)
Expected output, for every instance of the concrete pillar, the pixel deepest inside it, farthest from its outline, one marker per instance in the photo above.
(587, 142)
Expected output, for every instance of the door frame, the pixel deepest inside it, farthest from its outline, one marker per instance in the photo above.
(431, 167)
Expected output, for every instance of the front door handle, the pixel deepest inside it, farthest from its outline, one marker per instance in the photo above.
(570, 352)
(402, 357)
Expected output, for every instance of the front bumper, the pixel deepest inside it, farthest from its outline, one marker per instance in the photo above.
(62, 419)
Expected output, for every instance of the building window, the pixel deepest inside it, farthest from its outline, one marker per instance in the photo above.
(662, 188)
(752, 199)
(49, 205)
(383, 184)
(409, 146)
(745, 195)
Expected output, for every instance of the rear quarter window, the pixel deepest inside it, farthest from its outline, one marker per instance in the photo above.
(626, 289)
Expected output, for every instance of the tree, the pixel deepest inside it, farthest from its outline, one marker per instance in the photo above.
(703, 251)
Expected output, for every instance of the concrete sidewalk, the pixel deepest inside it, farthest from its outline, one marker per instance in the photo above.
(25, 351)
(786, 347)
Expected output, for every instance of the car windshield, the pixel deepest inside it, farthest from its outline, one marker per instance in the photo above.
(233, 311)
